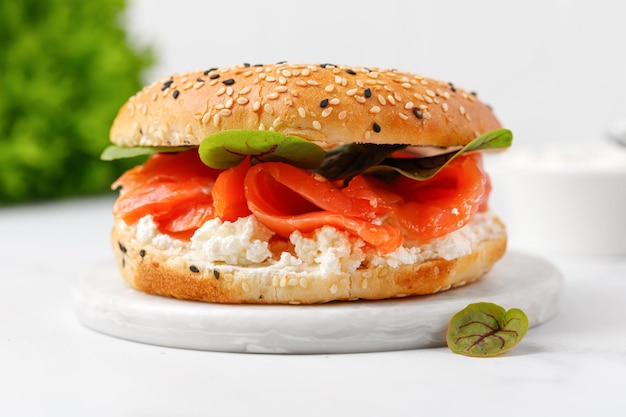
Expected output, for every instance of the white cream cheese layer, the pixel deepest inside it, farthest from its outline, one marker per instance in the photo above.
(245, 243)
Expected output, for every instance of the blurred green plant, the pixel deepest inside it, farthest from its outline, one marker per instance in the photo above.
(66, 67)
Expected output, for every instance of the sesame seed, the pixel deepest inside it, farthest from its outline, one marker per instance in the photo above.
(417, 113)
(229, 81)
(142, 253)
(381, 100)
(329, 88)
(220, 91)
(245, 286)
(360, 99)
(403, 116)
(391, 100)
(229, 103)
(351, 72)
(301, 83)
(193, 268)
(281, 89)
(210, 70)
(188, 85)
(301, 112)
(205, 118)
(430, 93)
(312, 82)
(327, 112)
(334, 289)
(351, 92)
(216, 119)
(452, 88)
(376, 127)
(228, 277)
(317, 125)
(374, 109)
(462, 110)
(225, 112)
(409, 105)
(167, 85)
(444, 106)
(242, 100)
(292, 282)
(367, 93)
(406, 85)
(334, 101)
(213, 76)
(272, 96)
(324, 103)
(256, 106)
(303, 283)
(268, 109)
(342, 115)
(198, 84)
(244, 90)
(175, 94)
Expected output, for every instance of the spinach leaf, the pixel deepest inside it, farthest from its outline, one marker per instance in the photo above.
(226, 149)
(113, 152)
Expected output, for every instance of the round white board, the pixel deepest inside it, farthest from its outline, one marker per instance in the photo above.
(104, 302)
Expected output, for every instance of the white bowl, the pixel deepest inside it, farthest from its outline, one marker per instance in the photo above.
(562, 199)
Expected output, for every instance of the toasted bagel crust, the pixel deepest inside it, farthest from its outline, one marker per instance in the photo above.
(326, 104)
(157, 271)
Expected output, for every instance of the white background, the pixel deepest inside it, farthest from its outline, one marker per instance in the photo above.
(552, 69)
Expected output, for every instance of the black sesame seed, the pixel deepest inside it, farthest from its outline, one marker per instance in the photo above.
(474, 93)
(167, 85)
(193, 268)
(351, 72)
(142, 253)
(452, 87)
(324, 103)
(376, 127)
(122, 247)
(214, 76)
(209, 70)
(200, 80)
(246, 64)
(281, 62)
(328, 65)
(229, 81)
(175, 94)
(367, 93)
(417, 113)
(216, 274)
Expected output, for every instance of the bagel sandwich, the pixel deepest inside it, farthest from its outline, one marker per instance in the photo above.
(304, 183)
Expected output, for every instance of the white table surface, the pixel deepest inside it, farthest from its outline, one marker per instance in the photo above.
(52, 365)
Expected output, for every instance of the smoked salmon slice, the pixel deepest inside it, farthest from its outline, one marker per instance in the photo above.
(181, 193)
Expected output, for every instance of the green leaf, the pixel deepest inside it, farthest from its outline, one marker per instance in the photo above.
(486, 329)
(226, 149)
(114, 152)
(422, 169)
(347, 161)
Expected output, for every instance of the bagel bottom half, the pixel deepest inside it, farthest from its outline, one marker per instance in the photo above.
(169, 267)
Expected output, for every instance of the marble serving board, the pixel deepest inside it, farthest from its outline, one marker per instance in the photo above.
(104, 302)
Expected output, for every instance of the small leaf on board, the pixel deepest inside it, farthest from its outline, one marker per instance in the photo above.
(486, 329)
